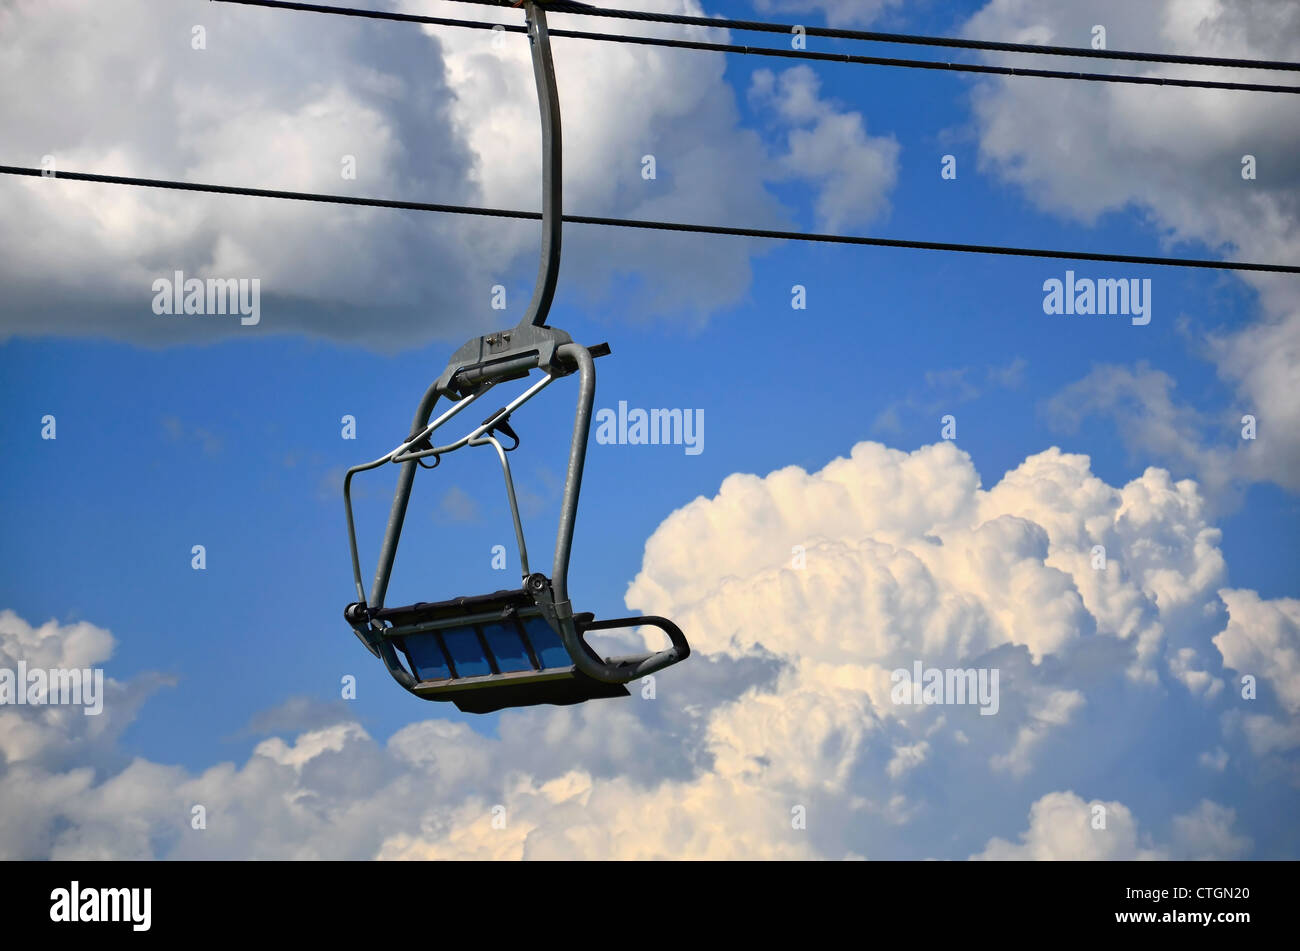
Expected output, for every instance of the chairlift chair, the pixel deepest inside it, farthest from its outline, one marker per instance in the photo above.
(526, 645)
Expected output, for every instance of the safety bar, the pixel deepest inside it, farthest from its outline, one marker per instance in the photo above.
(402, 453)
(388, 457)
(405, 453)
(488, 439)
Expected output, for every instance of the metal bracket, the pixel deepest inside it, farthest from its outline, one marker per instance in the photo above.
(501, 356)
(510, 354)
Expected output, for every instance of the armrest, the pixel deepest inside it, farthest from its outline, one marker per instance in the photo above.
(633, 667)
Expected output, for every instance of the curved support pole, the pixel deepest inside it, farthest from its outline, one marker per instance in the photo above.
(579, 355)
(615, 670)
(548, 102)
(403, 453)
(388, 654)
(397, 515)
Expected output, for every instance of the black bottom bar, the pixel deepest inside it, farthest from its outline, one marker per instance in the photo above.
(917, 902)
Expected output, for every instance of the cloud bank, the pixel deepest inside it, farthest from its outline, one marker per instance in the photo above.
(301, 102)
(1121, 696)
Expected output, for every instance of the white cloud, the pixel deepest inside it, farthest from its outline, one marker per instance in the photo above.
(1183, 665)
(907, 757)
(1262, 640)
(830, 148)
(1151, 421)
(1206, 834)
(269, 102)
(56, 736)
(279, 99)
(780, 737)
(1217, 760)
(1063, 826)
(1082, 150)
(1057, 708)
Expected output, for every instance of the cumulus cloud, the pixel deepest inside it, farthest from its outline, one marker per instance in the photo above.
(54, 736)
(1063, 826)
(1083, 150)
(298, 714)
(1264, 636)
(265, 103)
(290, 101)
(1262, 643)
(783, 736)
(829, 148)
(1147, 414)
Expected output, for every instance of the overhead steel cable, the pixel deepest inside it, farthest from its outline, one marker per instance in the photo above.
(766, 233)
(814, 55)
(760, 26)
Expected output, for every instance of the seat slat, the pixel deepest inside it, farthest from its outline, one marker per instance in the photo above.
(465, 652)
(546, 643)
(427, 659)
(508, 647)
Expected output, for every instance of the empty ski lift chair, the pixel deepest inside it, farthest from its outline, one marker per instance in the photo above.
(523, 646)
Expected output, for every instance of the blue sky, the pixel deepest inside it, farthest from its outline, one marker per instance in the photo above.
(231, 438)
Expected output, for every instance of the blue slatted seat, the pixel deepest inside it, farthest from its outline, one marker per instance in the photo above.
(488, 652)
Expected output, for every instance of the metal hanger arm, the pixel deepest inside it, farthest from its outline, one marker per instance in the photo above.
(548, 102)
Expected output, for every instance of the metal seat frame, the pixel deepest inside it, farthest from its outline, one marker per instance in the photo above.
(474, 370)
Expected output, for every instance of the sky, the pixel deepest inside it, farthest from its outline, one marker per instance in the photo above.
(835, 525)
